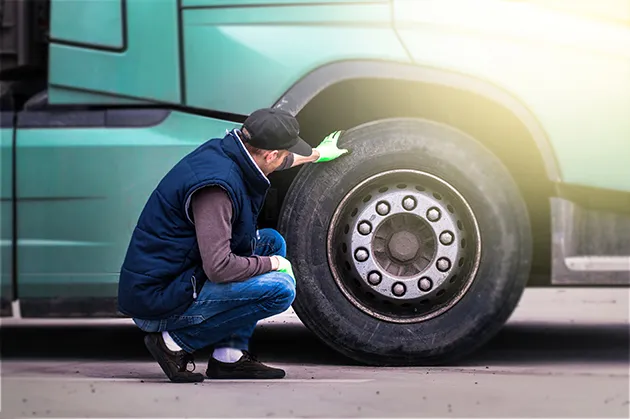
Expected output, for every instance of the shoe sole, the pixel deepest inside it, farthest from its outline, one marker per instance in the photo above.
(242, 376)
(251, 377)
(148, 342)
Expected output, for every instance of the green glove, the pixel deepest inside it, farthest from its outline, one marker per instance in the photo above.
(285, 267)
(328, 149)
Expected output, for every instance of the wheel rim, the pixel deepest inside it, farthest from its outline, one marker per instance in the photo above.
(404, 246)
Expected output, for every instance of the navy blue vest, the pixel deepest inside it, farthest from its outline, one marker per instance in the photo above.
(162, 271)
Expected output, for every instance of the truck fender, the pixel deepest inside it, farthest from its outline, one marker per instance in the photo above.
(305, 89)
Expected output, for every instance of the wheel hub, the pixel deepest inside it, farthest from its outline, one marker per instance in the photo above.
(403, 243)
(403, 246)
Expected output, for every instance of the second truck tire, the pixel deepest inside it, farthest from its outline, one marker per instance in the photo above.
(413, 249)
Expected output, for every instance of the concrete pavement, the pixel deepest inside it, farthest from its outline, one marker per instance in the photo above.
(563, 353)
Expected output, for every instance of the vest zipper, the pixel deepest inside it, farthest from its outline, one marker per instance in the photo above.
(194, 284)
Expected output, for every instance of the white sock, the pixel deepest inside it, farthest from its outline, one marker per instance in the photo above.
(227, 354)
(170, 343)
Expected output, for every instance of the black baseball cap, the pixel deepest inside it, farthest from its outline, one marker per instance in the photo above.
(276, 129)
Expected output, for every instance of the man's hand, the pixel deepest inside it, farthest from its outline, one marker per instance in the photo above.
(328, 149)
(281, 264)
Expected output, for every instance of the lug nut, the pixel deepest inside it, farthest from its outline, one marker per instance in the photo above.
(425, 284)
(443, 264)
(446, 238)
(399, 289)
(374, 278)
(365, 228)
(361, 255)
(409, 203)
(382, 208)
(433, 214)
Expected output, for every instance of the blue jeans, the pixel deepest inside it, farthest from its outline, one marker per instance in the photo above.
(225, 315)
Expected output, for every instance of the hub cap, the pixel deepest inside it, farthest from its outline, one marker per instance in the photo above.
(404, 246)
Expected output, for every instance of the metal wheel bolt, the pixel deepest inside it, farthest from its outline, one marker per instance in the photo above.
(365, 228)
(361, 255)
(399, 289)
(425, 284)
(382, 208)
(446, 238)
(409, 203)
(433, 214)
(374, 278)
(443, 264)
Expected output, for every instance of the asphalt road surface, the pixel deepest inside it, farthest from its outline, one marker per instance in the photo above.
(564, 353)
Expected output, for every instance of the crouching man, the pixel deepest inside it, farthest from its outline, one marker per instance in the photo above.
(197, 272)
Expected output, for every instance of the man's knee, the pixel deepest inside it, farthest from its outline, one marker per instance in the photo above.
(275, 239)
(283, 293)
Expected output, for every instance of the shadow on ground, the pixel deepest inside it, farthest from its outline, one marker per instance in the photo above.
(518, 344)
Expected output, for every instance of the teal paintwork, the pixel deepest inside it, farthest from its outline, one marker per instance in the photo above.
(6, 213)
(92, 22)
(62, 95)
(148, 69)
(241, 3)
(80, 193)
(241, 59)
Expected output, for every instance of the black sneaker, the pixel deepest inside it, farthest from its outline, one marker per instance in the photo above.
(174, 364)
(248, 367)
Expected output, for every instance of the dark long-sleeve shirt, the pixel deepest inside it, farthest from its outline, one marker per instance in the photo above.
(212, 215)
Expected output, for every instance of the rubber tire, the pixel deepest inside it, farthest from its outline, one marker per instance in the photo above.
(489, 189)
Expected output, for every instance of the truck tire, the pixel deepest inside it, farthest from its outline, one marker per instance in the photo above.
(412, 249)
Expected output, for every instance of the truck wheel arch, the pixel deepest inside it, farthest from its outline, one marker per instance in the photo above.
(323, 77)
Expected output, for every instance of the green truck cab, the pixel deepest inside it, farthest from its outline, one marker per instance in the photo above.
(490, 151)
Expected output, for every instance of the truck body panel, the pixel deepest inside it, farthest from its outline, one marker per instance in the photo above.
(102, 24)
(6, 210)
(148, 68)
(239, 59)
(82, 180)
(572, 72)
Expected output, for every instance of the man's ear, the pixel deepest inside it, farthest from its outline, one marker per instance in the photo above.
(271, 156)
